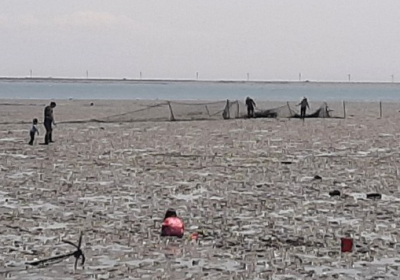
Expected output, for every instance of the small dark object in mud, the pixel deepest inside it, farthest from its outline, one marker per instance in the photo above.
(91, 104)
(347, 245)
(374, 196)
(334, 193)
(286, 162)
(317, 177)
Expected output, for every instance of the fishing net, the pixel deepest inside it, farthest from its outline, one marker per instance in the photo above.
(284, 111)
(178, 111)
(153, 111)
(322, 112)
(189, 111)
(287, 111)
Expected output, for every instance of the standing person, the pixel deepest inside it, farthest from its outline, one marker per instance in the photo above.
(303, 108)
(33, 131)
(48, 122)
(250, 107)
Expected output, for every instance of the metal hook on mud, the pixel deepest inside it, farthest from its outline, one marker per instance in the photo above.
(76, 254)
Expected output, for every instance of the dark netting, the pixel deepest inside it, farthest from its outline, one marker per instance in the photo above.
(322, 112)
(153, 111)
(179, 111)
(190, 111)
(286, 111)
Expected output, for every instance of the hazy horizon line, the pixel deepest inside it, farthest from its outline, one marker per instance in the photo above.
(121, 79)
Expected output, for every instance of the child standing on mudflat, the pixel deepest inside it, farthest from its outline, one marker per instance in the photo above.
(33, 131)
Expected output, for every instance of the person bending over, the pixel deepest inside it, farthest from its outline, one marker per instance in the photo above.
(250, 107)
(172, 225)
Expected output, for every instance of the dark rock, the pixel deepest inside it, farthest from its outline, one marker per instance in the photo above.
(334, 193)
(374, 196)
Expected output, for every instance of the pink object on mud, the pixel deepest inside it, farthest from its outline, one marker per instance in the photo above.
(195, 236)
(173, 226)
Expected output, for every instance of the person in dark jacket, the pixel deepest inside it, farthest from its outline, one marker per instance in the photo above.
(48, 122)
(303, 107)
(250, 107)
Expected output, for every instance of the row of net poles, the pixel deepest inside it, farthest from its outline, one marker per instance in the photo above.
(380, 109)
(226, 113)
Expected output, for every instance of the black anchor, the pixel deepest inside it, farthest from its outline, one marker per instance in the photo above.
(77, 254)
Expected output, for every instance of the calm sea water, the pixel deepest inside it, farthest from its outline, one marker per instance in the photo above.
(13, 89)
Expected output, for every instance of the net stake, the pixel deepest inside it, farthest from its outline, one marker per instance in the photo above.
(172, 113)
(344, 109)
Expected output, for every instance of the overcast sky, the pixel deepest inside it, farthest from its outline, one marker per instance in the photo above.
(220, 39)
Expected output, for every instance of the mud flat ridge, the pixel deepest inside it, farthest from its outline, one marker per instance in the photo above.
(250, 185)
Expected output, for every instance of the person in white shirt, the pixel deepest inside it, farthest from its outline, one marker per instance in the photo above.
(33, 131)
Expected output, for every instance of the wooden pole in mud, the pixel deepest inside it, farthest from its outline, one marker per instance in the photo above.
(172, 113)
(237, 109)
(208, 112)
(228, 109)
(380, 109)
(344, 109)
(290, 110)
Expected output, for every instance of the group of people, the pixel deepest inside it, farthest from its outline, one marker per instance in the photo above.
(172, 224)
(250, 104)
(49, 118)
(48, 125)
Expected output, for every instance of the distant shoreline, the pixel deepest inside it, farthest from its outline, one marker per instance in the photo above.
(136, 81)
